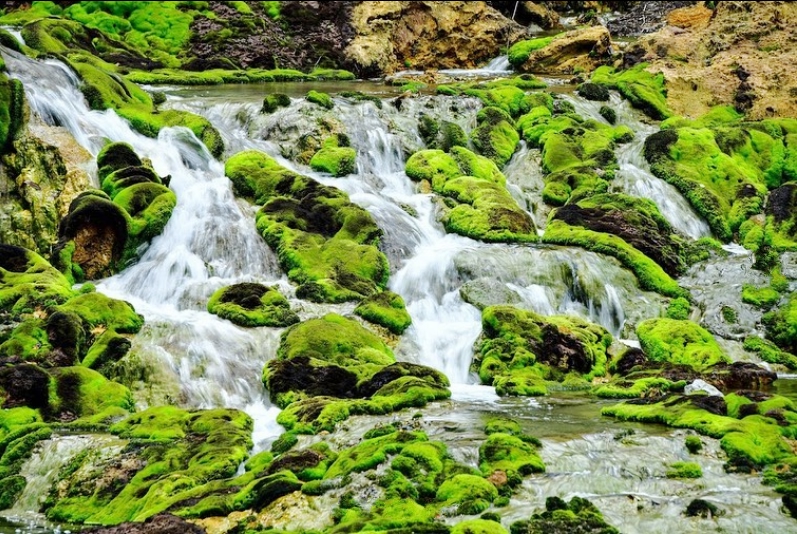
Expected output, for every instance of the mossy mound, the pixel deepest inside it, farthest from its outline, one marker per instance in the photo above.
(181, 460)
(560, 517)
(644, 90)
(28, 281)
(520, 350)
(385, 309)
(273, 102)
(20, 430)
(337, 161)
(441, 135)
(329, 368)
(781, 325)
(12, 110)
(507, 455)
(725, 171)
(104, 230)
(684, 470)
(679, 342)
(577, 154)
(594, 91)
(754, 428)
(495, 136)
(478, 204)
(769, 352)
(509, 94)
(327, 244)
(321, 99)
(249, 304)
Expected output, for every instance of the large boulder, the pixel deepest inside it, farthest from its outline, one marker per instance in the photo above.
(583, 49)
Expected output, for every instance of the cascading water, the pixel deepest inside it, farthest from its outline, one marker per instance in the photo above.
(634, 176)
(208, 243)
(201, 361)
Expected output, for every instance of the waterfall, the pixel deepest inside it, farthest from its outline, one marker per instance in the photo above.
(634, 177)
(209, 242)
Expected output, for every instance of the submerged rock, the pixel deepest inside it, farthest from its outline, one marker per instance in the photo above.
(159, 524)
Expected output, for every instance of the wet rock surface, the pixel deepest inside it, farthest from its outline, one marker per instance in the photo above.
(643, 17)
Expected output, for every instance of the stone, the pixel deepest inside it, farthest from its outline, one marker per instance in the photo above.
(700, 386)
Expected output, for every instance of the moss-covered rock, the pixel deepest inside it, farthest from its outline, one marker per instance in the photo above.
(680, 342)
(781, 325)
(470, 494)
(495, 136)
(684, 470)
(385, 309)
(249, 304)
(753, 434)
(327, 244)
(643, 89)
(724, 172)
(560, 517)
(273, 102)
(337, 161)
(769, 352)
(511, 456)
(322, 99)
(330, 368)
(182, 459)
(520, 350)
(481, 207)
(20, 430)
(594, 91)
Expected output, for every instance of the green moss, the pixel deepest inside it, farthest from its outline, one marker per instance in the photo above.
(470, 494)
(684, 470)
(769, 352)
(478, 526)
(609, 114)
(325, 243)
(10, 489)
(520, 51)
(98, 310)
(693, 444)
(90, 396)
(679, 309)
(385, 309)
(679, 342)
(760, 297)
(521, 349)
(649, 274)
(335, 161)
(28, 281)
(643, 89)
(781, 325)
(322, 99)
(750, 443)
(638, 388)
(482, 208)
(510, 454)
(275, 101)
(248, 304)
(560, 517)
(495, 136)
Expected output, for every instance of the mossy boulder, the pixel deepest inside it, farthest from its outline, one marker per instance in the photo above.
(469, 494)
(327, 244)
(561, 517)
(684, 470)
(520, 350)
(182, 459)
(385, 309)
(274, 101)
(754, 434)
(781, 325)
(337, 161)
(593, 91)
(28, 281)
(725, 171)
(330, 368)
(20, 430)
(321, 99)
(643, 89)
(680, 342)
(510, 455)
(495, 135)
(480, 205)
(250, 304)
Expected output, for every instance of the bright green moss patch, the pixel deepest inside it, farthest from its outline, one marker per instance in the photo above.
(693, 444)
(637, 388)
(249, 304)
(679, 342)
(327, 244)
(684, 470)
(769, 352)
(330, 368)
(679, 309)
(651, 276)
(480, 207)
(507, 94)
(578, 515)
(511, 455)
(520, 51)
(781, 325)
(337, 161)
(385, 309)
(643, 89)
(495, 136)
(322, 99)
(520, 350)
(760, 297)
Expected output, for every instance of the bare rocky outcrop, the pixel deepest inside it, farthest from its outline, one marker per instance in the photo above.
(739, 54)
(583, 49)
(393, 36)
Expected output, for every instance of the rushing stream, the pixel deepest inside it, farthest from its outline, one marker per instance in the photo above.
(197, 360)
